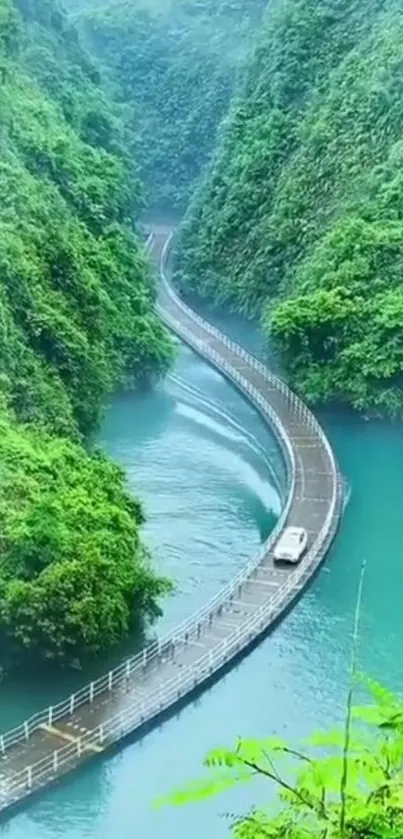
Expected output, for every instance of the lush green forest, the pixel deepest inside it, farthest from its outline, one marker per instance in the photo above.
(77, 319)
(298, 217)
(301, 214)
(172, 66)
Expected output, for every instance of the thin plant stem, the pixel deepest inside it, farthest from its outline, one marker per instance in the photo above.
(349, 705)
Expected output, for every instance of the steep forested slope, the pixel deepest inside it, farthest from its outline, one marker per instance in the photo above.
(76, 319)
(301, 213)
(173, 65)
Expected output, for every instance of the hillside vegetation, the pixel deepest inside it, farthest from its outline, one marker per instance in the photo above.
(173, 66)
(76, 320)
(301, 214)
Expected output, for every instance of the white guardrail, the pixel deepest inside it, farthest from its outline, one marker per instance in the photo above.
(139, 712)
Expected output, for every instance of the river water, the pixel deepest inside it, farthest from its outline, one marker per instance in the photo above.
(195, 452)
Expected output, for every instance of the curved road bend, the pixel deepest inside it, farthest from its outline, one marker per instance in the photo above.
(60, 738)
(316, 476)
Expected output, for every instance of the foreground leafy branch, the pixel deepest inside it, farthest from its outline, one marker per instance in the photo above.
(324, 791)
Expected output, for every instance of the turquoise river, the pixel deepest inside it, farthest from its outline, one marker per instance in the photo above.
(209, 474)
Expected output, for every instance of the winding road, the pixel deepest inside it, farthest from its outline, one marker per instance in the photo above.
(171, 669)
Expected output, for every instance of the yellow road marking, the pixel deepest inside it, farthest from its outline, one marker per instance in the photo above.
(90, 747)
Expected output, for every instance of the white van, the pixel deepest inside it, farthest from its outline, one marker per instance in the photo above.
(291, 545)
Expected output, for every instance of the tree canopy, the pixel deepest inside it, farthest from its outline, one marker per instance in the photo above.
(77, 319)
(172, 66)
(74, 575)
(300, 214)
